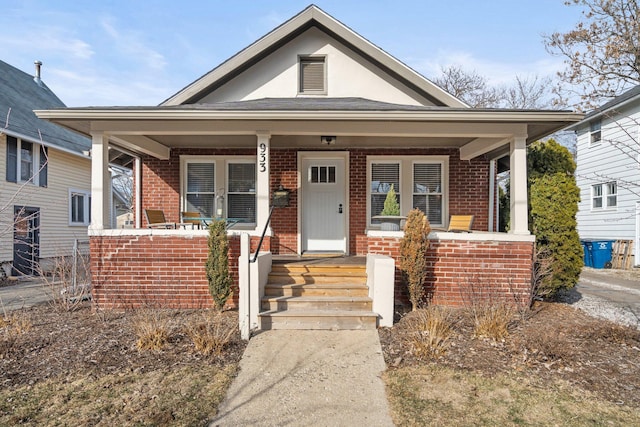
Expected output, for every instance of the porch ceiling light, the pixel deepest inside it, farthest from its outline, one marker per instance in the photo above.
(328, 140)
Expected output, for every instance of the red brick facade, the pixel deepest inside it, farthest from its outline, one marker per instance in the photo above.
(166, 269)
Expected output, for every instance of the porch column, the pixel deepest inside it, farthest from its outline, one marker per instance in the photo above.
(519, 204)
(263, 180)
(100, 182)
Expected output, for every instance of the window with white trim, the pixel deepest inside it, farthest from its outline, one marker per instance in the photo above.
(313, 79)
(604, 196)
(419, 181)
(225, 183)
(79, 207)
(26, 162)
(595, 132)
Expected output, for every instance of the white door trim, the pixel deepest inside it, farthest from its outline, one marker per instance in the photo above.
(305, 155)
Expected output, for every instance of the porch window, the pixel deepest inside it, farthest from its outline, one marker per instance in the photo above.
(419, 181)
(427, 190)
(604, 196)
(79, 207)
(383, 177)
(241, 191)
(201, 188)
(205, 178)
(26, 162)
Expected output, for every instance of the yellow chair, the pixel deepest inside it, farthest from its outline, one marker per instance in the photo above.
(459, 223)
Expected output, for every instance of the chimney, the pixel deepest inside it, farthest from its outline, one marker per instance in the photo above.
(37, 78)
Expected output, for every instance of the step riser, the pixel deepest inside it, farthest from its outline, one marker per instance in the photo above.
(319, 270)
(308, 280)
(318, 323)
(306, 292)
(317, 305)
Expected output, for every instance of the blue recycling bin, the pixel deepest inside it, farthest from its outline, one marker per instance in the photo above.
(587, 247)
(601, 253)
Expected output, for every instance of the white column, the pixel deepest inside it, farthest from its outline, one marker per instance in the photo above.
(263, 177)
(519, 204)
(137, 171)
(100, 182)
(492, 194)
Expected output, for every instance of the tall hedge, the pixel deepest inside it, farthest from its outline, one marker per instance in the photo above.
(553, 199)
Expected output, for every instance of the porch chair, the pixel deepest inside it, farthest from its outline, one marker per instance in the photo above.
(459, 223)
(192, 218)
(156, 219)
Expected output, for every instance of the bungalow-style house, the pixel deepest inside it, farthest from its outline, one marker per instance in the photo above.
(46, 177)
(315, 119)
(607, 172)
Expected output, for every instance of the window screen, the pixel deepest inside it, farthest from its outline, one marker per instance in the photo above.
(312, 78)
(427, 190)
(241, 191)
(201, 188)
(383, 176)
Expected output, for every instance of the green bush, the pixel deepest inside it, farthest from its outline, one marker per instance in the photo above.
(553, 207)
(391, 205)
(217, 265)
(549, 157)
(413, 254)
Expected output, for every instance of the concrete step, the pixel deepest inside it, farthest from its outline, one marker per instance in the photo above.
(289, 278)
(347, 270)
(318, 319)
(282, 303)
(316, 289)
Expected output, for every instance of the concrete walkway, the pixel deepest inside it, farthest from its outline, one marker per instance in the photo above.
(308, 378)
(24, 293)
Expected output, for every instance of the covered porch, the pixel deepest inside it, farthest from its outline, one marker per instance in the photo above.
(336, 164)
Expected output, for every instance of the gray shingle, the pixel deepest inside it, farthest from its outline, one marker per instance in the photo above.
(19, 96)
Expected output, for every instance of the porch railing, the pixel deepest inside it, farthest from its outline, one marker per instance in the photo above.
(264, 231)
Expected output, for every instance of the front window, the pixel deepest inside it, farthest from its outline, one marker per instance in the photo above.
(220, 186)
(419, 182)
(604, 196)
(241, 191)
(384, 176)
(79, 207)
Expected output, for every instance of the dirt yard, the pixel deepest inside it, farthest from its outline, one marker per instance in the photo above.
(556, 342)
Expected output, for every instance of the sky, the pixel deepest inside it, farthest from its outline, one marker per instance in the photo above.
(140, 52)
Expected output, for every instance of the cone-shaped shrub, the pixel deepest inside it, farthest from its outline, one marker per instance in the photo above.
(217, 265)
(391, 206)
(413, 255)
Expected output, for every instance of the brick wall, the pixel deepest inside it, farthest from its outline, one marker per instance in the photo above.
(462, 272)
(156, 271)
(468, 184)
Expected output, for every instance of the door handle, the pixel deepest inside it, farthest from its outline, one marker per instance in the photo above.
(340, 208)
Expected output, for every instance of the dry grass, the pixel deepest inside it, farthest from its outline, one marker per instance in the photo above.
(211, 333)
(441, 396)
(152, 328)
(185, 396)
(11, 327)
(492, 320)
(429, 331)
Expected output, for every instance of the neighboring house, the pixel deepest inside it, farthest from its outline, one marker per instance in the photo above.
(314, 109)
(46, 177)
(608, 171)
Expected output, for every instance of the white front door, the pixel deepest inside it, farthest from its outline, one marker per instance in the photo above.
(324, 207)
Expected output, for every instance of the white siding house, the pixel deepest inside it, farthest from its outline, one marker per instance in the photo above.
(45, 172)
(608, 171)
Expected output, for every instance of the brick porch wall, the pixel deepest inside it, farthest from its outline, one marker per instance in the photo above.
(462, 272)
(160, 270)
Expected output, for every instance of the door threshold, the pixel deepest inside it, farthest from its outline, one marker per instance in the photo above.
(322, 254)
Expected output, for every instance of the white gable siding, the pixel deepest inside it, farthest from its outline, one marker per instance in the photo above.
(65, 171)
(348, 75)
(615, 158)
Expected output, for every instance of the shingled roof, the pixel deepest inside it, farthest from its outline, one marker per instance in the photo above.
(20, 94)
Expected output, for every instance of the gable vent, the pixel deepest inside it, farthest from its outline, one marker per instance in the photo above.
(312, 75)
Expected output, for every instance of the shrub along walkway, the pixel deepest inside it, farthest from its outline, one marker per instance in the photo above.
(300, 378)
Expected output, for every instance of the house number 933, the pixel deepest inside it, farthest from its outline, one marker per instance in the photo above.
(262, 155)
